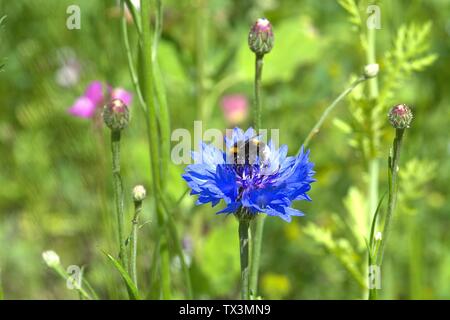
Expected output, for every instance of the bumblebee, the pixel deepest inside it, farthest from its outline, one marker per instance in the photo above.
(246, 152)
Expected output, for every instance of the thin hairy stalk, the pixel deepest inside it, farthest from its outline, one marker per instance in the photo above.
(118, 195)
(134, 240)
(133, 73)
(161, 96)
(244, 254)
(330, 108)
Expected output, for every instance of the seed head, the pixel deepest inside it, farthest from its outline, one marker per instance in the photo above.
(260, 37)
(116, 115)
(400, 116)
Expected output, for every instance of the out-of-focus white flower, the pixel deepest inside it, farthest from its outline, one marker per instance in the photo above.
(371, 70)
(51, 258)
(69, 74)
(378, 236)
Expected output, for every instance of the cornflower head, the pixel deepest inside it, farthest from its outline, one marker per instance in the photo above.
(266, 181)
(94, 98)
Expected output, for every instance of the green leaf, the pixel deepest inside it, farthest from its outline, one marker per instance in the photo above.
(374, 221)
(131, 287)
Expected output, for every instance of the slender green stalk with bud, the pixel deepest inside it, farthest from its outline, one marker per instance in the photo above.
(116, 117)
(400, 117)
(260, 42)
(139, 194)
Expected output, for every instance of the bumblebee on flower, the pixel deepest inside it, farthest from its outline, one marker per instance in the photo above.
(250, 176)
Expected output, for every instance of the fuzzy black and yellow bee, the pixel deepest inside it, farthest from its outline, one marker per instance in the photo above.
(247, 152)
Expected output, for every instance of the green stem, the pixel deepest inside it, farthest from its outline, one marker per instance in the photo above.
(371, 58)
(118, 195)
(133, 73)
(135, 15)
(393, 188)
(374, 164)
(134, 239)
(152, 129)
(256, 254)
(244, 254)
(259, 223)
(374, 170)
(161, 97)
(201, 19)
(147, 77)
(259, 62)
(60, 271)
(330, 108)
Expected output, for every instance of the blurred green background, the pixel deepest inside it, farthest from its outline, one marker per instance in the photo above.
(55, 181)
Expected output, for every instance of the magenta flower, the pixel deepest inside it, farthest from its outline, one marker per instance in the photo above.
(94, 97)
(235, 108)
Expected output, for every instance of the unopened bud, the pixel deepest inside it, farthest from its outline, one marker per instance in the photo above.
(260, 37)
(371, 70)
(116, 115)
(400, 116)
(139, 193)
(51, 258)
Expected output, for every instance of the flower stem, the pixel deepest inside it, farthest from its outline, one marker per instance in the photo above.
(244, 254)
(259, 227)
(258, 75)
(118, 195)
(133, 240)
(330, 108)
(393, 189)
(152, 129)
(201, 20)
(131, 69)
(161, 97)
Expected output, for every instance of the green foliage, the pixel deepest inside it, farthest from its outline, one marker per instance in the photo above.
(416, 176)
(221, 266)
(409, 54)
(55, 182)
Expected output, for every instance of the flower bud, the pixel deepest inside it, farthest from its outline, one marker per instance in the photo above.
(400, 116)
(260, 37)
(116, 115)
(139, 193)
(371, 70)
(51, 258)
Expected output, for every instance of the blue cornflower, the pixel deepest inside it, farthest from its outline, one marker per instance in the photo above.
(266, 183)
